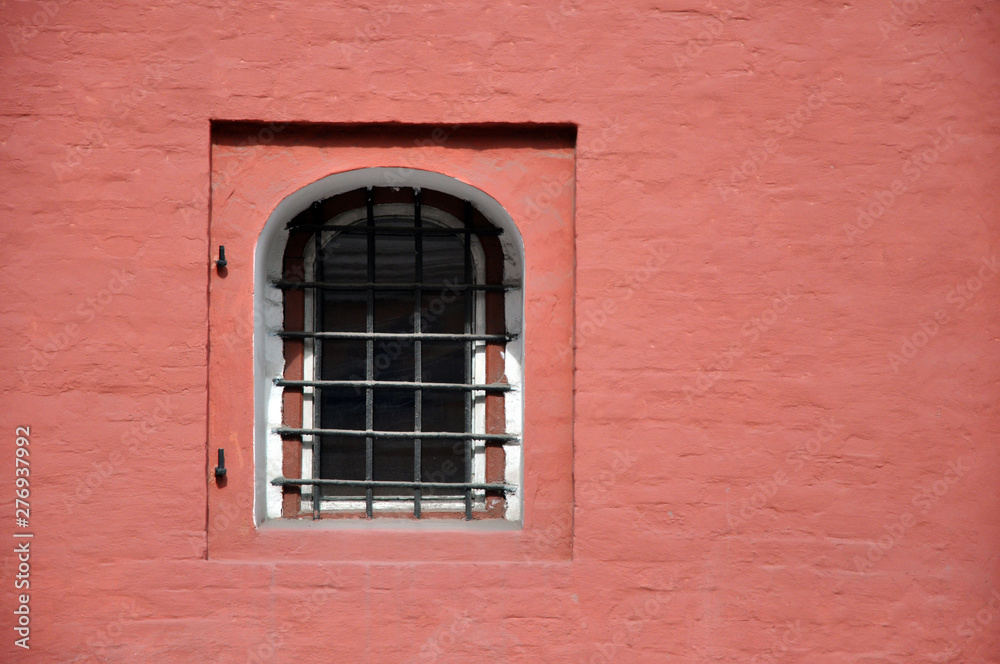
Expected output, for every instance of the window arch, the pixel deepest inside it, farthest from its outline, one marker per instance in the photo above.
(397, 312)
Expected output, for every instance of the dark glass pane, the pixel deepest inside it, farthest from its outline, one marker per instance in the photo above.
(343, 457)
(393, 360)
(395, 255)
(394, 311)
(394, 463)
(393, 410)
(343, 359)
(443, 460)
(393, 458)
(443, 362)
(443, 410)
(443, 312)
(343, 311)
(344, 258)
(342, 408)
(444, 258)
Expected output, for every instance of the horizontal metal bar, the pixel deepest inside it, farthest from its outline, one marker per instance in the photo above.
(396, 230)
(400, 286)
(401, 336)
(400, 384)
(400, 498)
(454, 500)
(365, 433)
(460, 486)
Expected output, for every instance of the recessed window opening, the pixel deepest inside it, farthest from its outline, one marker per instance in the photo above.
(394, 333)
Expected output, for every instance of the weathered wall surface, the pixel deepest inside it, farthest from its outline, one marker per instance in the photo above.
(786, 387)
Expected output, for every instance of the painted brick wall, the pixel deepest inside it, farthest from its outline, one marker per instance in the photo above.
(786, 386)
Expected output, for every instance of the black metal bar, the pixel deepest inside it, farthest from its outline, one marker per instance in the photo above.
(418, 371)
(402, 336)
(369, 433)
(396, 230)
(384, 499)
(469, 358)
(282, 481)
(362, 285)
(370, 355)
(317, 395)
(484, 387)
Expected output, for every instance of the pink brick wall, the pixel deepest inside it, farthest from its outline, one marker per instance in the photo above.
(786, 367)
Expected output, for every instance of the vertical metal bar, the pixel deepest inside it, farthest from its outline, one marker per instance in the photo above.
(317, 344)
(469, 356)
(370, 356)
(418, 394)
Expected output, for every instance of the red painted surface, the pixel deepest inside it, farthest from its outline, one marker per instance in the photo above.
(785, 387)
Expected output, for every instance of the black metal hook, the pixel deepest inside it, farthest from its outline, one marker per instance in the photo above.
(221, 263)
(220, 470)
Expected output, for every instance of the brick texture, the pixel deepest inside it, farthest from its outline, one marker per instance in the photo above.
(786, 327)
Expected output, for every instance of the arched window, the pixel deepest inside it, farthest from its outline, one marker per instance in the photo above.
(398, 309)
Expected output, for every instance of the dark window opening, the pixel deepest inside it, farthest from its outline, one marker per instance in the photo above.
(394, 338)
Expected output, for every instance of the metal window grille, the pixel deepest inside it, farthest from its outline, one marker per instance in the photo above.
(364, 274)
